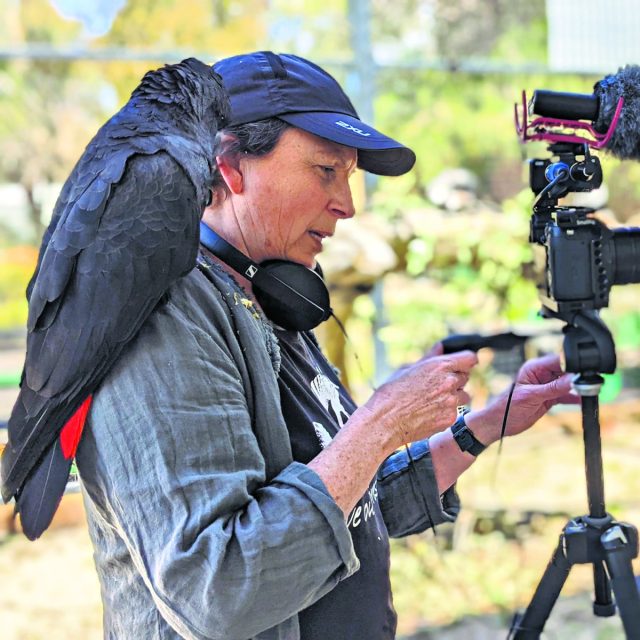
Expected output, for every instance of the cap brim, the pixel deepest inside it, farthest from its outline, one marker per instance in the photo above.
(377, 153)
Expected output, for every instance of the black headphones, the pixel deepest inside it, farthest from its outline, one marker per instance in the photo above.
(277, 285)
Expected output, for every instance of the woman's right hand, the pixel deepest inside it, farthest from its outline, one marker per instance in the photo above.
(422, 399)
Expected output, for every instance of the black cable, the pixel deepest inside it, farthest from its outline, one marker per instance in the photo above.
(349, 342)
(413, 473)
(503, 430)
(561, 177)
(506, 415)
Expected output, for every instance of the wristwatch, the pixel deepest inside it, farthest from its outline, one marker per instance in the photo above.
(465, 438)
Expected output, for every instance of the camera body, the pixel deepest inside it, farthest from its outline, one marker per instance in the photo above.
(582, 261)
(583, 257)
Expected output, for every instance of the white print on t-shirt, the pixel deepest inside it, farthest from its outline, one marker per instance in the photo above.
(323, 435)
(364, 509)
(328, 394)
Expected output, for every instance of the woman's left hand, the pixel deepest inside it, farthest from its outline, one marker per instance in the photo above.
(539, 385)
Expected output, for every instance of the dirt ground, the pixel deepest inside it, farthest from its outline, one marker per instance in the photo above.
(49, 590)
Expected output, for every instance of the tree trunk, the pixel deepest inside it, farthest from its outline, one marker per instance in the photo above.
(35, 212)
(219, 13)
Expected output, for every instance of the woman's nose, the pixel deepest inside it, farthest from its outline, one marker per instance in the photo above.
(342, 205)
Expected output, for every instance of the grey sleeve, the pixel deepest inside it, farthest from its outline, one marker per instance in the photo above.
(171, 461)
(408, 492)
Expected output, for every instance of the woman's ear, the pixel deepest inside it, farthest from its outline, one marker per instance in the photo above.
(229, 165)
(229, 169)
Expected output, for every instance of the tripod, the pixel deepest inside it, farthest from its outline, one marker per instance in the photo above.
(596, 538)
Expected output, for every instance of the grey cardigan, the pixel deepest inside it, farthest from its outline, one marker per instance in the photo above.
(203, 525)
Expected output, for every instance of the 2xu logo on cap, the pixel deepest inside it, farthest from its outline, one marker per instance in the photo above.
(350, 127)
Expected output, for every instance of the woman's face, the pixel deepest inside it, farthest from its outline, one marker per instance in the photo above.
(292, 197)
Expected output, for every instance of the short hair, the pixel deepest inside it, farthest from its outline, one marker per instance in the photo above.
(252, 138)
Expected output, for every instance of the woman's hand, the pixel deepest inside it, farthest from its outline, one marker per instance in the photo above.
(422, 398)
(540, 384)
(419, 400)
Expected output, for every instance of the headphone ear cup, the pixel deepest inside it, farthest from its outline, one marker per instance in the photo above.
(290, 295)
(294, 297)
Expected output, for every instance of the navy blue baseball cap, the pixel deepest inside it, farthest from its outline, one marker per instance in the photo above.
(266, 85)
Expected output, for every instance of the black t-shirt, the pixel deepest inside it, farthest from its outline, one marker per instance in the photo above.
(315, 406)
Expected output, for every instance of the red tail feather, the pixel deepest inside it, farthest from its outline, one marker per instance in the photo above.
(72, 430)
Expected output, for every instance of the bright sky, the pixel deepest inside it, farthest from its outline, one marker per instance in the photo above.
(97, 16)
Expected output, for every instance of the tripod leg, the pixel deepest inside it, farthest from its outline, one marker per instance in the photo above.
(530, 624)
(619, 548)
(603, 605)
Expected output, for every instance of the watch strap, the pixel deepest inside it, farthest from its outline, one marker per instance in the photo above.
(465, 438)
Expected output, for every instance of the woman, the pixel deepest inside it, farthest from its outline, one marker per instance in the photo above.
(233, 488)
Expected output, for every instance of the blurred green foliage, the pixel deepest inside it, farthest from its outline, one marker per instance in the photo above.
(16, 267)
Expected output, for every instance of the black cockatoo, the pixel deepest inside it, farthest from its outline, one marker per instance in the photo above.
(125, 227)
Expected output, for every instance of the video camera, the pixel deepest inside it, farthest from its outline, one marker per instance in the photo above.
(583, 257)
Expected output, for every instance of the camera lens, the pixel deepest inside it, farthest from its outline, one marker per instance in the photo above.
(626, 244)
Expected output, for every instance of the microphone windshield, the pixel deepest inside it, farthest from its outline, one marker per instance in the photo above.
(625, 141)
